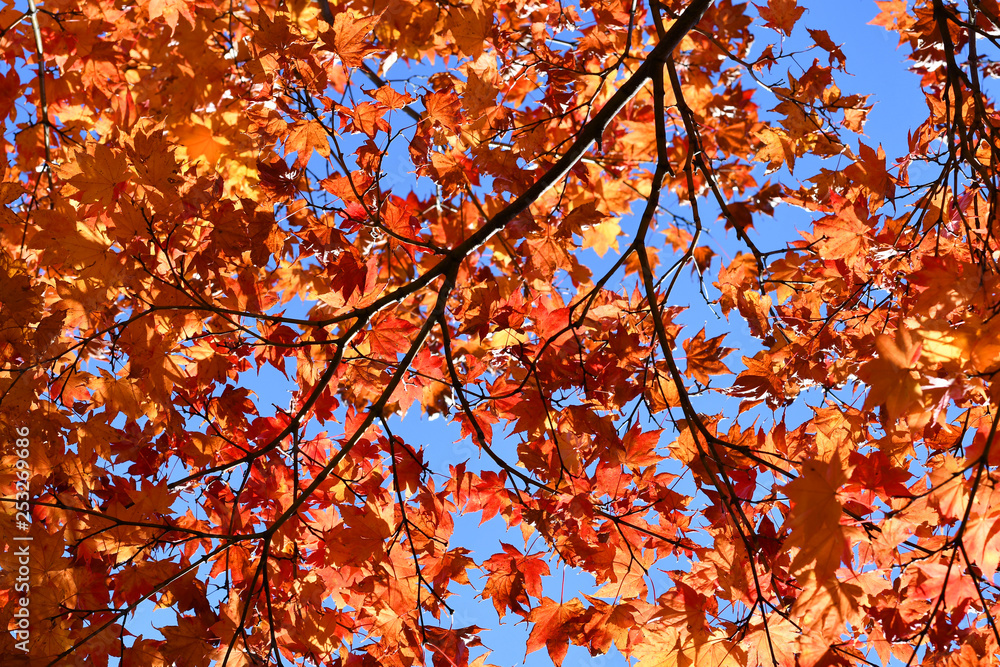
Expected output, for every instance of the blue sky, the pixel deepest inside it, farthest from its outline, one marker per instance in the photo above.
(877, 68)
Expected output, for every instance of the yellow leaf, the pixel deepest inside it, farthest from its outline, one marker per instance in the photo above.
(777, 150)
(602, 237)
(505, 338)
(941, 344)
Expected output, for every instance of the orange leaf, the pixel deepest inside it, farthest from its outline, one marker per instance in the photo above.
(101, 174)
(444, 108)
(844, 235)
(306, 137)
(554, 624)
(780, 15)
(777, 149)
(349, 39)
(200, 142)
(704, 357)
(602, 237)
(814, 520)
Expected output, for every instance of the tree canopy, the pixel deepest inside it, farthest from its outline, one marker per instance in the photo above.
(562, 227)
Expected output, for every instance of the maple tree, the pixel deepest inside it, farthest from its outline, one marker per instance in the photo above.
(496, 214)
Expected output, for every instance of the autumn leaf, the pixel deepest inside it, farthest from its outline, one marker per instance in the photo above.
(780, 15)
(814, 521)
(891, 377)
(305, 139)
(843, 236)
(470, 27)
(100, 175)
(639, 448)
(608, 624)
(676, 648)
(823, 41)
(704, 357)
(9, 192)
(759, 382)
(186, 641)
(391, 98)
(443, 108)
(349, 38)
(602, 237)
(776, 150)
(892, 14)
(512, 578)
(200, 143)
(823, 606)
(553, 625)
(170, 11)
(367, 118)
(755, 307)
(391, 337)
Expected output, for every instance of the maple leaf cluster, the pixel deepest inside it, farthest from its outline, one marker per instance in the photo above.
(509, 216)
